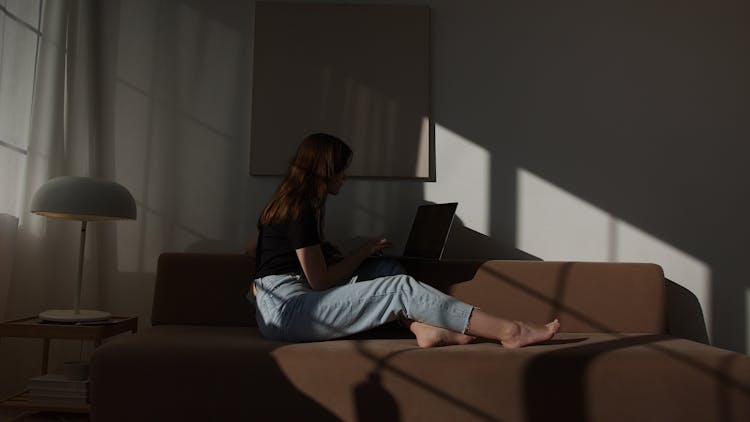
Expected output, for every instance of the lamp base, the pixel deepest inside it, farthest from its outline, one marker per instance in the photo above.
(69, 315)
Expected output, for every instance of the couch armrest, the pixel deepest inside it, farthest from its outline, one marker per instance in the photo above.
(203, 289)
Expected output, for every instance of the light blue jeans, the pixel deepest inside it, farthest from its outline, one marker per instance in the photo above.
(288, 309)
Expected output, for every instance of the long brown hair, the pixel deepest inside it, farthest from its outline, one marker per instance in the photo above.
(319, 157)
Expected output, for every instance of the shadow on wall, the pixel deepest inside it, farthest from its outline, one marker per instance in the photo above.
(180, 88)
(175, 81)
(636, 113)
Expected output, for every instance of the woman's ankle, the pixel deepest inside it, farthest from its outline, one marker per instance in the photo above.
(431, 336)
(509, 332)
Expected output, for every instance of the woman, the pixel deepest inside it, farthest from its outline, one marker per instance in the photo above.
(305, 290)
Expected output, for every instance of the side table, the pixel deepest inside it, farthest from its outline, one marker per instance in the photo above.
(34, 327)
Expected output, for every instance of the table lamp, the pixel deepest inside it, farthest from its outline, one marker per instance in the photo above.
(84, 199)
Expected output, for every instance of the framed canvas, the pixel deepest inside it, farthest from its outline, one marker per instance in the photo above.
(359, 72)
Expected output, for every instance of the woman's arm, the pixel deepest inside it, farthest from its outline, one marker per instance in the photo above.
(321, 276)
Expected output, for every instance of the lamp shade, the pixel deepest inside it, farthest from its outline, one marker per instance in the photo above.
(84, 199)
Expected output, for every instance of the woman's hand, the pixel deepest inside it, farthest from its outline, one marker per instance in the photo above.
(374, 246)
(322, 276)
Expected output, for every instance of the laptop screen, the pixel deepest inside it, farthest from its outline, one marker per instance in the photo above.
(429, 231)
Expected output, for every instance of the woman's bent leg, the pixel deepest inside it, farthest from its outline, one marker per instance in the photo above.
(352, 308)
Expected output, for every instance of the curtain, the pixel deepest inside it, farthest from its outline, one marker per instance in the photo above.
(47, 129)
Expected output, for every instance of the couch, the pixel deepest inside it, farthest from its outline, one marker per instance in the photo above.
(203, 359)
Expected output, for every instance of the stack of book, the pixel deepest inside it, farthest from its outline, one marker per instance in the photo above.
(55, 388)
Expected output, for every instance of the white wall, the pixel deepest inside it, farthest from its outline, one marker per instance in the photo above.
(576, 130)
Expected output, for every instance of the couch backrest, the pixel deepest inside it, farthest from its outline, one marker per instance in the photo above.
(203, 289)
(585, 296)
(211, 289)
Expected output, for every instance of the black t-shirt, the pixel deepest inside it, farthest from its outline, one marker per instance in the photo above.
(277, 243)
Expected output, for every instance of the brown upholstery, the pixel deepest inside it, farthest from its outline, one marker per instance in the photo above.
(577, 377)
(607, 297)
(193, 373)
(586, 296)
(205, 289)
(187, 371)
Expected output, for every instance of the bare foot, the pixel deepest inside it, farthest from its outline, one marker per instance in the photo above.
(430, 336)
(525, 333)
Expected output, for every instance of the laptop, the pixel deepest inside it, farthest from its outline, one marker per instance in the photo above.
(429, 232)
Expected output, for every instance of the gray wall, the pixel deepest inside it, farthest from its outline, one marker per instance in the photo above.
(626, 121)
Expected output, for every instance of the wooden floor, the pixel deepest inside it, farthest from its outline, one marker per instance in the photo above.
(10, 415)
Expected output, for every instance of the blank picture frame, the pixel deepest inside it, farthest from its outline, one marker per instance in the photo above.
(359, 72)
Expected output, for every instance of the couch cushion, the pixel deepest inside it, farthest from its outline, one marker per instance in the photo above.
(577, 376)
(220, 373)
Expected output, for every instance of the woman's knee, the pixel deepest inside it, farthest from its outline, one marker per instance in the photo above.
(406, 283)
